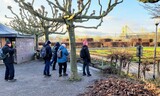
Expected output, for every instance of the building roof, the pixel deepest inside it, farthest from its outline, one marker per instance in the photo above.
(8, 32)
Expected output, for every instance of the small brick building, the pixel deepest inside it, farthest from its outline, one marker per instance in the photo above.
(24, 44)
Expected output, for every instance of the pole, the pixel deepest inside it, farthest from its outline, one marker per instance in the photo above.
(102, 58)
(155, 45)
(139, 64)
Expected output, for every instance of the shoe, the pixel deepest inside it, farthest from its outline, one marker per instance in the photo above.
(65, 74)
(60, 75)
(6, 79)
(48, 75)
(84, 74)
(44, 73)
(89, 75)
(12, 80)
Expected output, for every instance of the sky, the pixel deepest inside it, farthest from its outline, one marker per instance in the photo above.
(129, 13)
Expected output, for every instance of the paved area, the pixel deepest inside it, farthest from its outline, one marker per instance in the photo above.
(31, 82)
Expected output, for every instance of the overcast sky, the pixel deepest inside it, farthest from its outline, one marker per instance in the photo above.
(129, 13)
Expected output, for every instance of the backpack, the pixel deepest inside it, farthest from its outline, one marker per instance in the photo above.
(82, 53)
(2, 55)
(43, 52)
(59, 53)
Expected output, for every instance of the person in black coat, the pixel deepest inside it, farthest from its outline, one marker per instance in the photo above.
(47, 59)
(54, 57)
(86, 58)
(8, 61)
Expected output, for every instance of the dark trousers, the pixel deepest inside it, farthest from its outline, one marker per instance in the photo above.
(64, 65)
(47, 67)
(54, 64)
(9, 73)
(86, 66)
(54, 61)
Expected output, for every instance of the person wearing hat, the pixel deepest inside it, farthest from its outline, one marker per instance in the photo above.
(47, 59)
(8, 61)
(62, 61)
(85, 55)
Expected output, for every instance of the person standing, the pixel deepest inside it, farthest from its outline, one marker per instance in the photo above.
(62, 60)
(47, 58)
(85, 55)
(54, 57)
(8, 61)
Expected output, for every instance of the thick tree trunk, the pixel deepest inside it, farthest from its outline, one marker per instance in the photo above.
(46, 34)
(73, 61)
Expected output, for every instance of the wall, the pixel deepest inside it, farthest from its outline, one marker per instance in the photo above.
(24, 49)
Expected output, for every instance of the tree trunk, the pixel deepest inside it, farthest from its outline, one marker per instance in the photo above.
(158, 71)
(128, 68)
(120, 67)
(73, 61)
(36, 36)
(46, 34)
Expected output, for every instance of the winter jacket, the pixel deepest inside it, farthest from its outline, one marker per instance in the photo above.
(48, 51)
(9, 59)
(64, 55)
(55, 49)
(87, 54)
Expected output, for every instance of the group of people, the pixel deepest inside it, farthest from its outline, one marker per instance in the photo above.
(51, 58)
(62, 61)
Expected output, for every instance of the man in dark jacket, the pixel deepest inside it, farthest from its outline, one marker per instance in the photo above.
(54, 57)
(47, 58)
(86, 58)
(8, 61)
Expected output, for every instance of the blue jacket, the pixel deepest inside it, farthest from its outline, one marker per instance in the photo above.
(64, 55)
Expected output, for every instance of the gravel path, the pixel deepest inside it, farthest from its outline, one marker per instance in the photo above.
(31, 82)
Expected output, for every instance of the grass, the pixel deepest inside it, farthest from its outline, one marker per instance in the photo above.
(148, 52)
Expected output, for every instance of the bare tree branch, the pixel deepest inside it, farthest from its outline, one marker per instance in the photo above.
(153, 9)
(93, 27)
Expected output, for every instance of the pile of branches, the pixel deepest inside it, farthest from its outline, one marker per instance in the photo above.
(118, 87)
(110, 70)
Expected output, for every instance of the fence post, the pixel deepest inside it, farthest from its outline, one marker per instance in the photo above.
(139, 54)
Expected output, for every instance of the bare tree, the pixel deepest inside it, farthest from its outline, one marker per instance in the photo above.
(72, 14)
(24, 22)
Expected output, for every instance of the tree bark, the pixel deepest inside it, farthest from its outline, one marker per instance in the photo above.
(46, 34)
(36, 36)
(158, 70)
(120, 67)
(73, 61)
